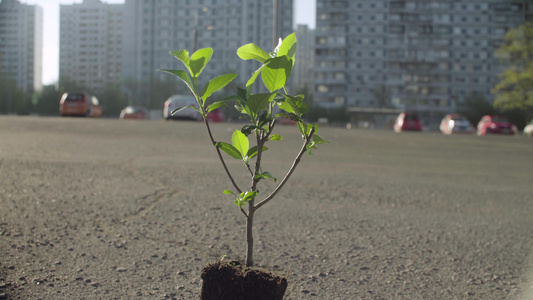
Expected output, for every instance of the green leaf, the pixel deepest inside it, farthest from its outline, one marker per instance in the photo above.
(265, 175)
(240, 143)
(276, 137)
(183, 76)
(318, 139)
(182, 108)
(251, 81)
(259, 102)
(216, 84)
(199, 60)
(183, 56)
(287, 107)
(230, 98)
(252, 51)
(276, 72)
(227, 192)
(247, 129)
(229, 149)
(249, 195)
(264, 119)
(290, 116)
(294, 105)
(215, 105)
(253, 152)
(302, 127)
(288, 47)
(245, 197)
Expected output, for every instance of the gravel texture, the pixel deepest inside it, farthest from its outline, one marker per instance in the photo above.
(109, 209)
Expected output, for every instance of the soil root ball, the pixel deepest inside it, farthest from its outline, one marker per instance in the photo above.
(230, 280)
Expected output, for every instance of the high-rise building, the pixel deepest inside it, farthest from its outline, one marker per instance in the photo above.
(90, 44)
(302, 72)
(21, 42)
(153, 28)
(420, 55)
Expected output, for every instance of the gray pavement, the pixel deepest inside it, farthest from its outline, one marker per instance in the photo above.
(110, 209)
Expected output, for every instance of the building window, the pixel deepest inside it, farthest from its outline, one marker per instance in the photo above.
(322, 88)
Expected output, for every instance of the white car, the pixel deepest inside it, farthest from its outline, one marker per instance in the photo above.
(528, 130)
(177, 101)
(454, 123)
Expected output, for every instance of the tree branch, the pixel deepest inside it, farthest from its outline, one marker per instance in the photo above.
(220, 154)
(289, 173)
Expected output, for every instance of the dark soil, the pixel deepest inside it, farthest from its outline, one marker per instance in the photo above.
(230, 280)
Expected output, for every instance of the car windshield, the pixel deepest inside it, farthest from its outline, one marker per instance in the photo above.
(461, 120)
(499, 120)
(75, 97)
(411, 117)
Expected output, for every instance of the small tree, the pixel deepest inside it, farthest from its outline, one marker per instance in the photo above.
(475, 107)
(259, 110)
(515, 90)
(48, 103)
(112, 100)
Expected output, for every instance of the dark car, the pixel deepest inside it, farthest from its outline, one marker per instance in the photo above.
(495, 125)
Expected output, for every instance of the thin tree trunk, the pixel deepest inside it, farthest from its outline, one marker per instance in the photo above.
(249, 235)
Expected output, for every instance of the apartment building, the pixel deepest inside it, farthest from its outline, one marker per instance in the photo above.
(420, 55)
(153, 28)
(303, 71)
(90, 44)
(21, 42)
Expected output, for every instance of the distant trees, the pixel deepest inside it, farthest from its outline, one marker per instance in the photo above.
(475, 107)
(515, 89)
(48, 101)
(12, 99)
(112, 99)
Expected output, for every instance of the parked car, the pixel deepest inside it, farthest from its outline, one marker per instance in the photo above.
(528, 130)
(79, 104)
(454, 123)
(407, 121)
(178, 101)
(216, 116)
(133, 112)
(495, 125)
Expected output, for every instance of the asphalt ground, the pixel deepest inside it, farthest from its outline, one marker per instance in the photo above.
(111, 209)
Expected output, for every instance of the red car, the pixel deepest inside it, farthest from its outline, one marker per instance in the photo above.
(79, 104)
(216, 116)
(495, 125)
(133, 112)
(407, 121)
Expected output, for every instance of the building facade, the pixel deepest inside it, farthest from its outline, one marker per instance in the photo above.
(90, 44)
(153, 28)
(420, 55)
(21, 43)
(303, 71)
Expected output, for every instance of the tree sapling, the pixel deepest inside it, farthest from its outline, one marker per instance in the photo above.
(260, 110)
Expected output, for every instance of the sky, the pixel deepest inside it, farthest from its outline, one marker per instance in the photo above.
(304, 14)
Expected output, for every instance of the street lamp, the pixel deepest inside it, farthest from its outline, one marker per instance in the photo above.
(275, 24)
(195, 32)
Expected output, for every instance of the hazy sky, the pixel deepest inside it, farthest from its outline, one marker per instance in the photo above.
(304, 14)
